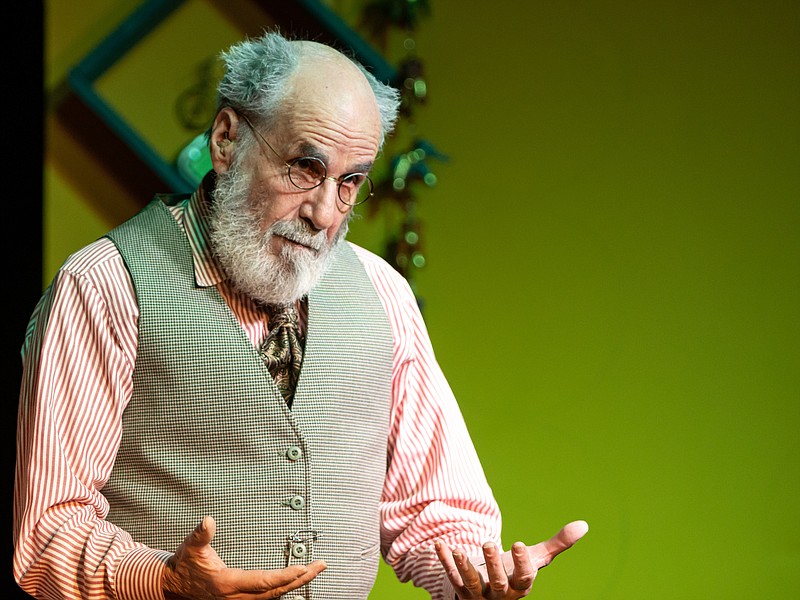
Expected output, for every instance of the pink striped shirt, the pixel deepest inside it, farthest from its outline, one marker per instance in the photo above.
(78, 358)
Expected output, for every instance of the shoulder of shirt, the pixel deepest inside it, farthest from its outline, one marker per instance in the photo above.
(377, 266)
(94, 256)
(393, 289)
(366, 256)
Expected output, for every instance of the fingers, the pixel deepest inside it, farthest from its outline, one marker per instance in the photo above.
(491, 580)
(466, 581)
(472, 580)
(311, 570)
(197, 571)
(446, 558)
(496, 572)
(203, 533)
(508, 575)
(524, 572)
(572, 532)
(543, 553)
(273, 583)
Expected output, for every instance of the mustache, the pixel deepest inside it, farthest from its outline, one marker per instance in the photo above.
(300, 233)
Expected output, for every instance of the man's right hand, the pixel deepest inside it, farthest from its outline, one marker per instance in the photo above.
(196, 572)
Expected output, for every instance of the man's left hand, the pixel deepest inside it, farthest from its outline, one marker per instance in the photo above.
(508, 575)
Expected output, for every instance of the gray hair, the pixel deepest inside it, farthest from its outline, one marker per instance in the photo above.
(258, 73)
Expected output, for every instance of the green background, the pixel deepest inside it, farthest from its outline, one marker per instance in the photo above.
(612, 272)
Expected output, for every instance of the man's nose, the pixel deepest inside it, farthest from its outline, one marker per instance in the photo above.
(322, 208)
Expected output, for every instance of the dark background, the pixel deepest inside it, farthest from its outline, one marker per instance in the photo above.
(23, 103)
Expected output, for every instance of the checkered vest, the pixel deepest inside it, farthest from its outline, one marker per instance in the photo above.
(207, 432)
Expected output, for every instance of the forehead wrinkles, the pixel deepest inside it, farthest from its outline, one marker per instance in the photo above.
(331, 104)
(330, 135)
(342, 139)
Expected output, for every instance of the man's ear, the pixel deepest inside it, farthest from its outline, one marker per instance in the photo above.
(223, 137)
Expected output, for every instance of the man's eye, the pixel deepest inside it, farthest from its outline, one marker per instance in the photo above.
(310, 167)
(353, 180)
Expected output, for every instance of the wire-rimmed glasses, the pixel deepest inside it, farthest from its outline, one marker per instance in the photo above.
(309, 172)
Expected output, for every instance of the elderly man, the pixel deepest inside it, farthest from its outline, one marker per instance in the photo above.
(224, 399)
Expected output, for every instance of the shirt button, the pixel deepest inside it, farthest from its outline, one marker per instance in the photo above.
(299, 550)
(297, 502)
(297, 598)
(294, 453)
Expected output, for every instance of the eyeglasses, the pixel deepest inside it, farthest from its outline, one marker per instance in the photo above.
(309, 172)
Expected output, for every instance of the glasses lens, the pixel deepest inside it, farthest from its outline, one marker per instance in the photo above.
(307, 172)
(355, 189)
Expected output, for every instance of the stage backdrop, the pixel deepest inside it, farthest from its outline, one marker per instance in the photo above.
(619, 218)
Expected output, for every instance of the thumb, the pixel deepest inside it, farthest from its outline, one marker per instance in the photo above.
(203, 533)
(572, 532)
(543, 553)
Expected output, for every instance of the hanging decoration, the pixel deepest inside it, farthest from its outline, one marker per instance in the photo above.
(380, 16)
(409, 165)
(196, 105)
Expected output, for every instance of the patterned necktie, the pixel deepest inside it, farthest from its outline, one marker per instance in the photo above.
(282, 350)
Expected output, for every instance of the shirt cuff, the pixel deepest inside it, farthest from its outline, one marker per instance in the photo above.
(139, 574)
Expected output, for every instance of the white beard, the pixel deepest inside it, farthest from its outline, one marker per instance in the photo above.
(244, 252)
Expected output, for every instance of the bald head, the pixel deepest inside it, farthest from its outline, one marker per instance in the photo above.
(321, 64)
(263, 74)
(325, 80)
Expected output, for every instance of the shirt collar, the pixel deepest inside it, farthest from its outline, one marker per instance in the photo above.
(207, 271)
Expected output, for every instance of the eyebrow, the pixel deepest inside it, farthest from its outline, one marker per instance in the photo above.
(307, 149)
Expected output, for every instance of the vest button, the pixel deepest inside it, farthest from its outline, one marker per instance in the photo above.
(297, 502)
(299, 550)
(294, 453)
